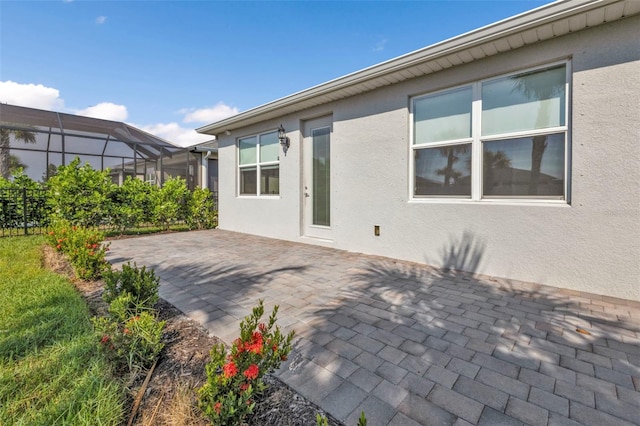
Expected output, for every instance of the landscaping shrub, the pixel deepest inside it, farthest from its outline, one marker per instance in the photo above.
(170, 203)
(130, 335)
(132, 204)
(133, 344)
(83, 247)
(80, 194)
(14, 194)
(234, 378)
(140, 283)
(201, 210)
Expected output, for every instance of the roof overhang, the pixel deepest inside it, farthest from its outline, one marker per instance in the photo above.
(543, 23)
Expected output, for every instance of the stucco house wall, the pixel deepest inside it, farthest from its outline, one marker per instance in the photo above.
(591, 243)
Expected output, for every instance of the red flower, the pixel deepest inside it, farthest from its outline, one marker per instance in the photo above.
(238, 343)
(58, 246)
(262, 327)
(104, 339)
(126, 331)
(244, 387)
(60, 240)
(217, 406)
(251, 372)
(230, 370)
(95, 246)
(256, 343)
(51, 233)
(91, 253)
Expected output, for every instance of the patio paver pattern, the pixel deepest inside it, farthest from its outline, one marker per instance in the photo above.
(406, 343)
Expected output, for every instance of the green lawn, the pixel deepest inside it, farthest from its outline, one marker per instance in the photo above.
(51, 371)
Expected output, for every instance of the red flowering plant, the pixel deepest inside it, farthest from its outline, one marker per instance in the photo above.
(234, 377)
(83, 247)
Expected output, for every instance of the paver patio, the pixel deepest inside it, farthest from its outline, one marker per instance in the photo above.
(406, 343)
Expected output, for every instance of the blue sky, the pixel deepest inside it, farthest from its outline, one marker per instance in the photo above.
(169, 67)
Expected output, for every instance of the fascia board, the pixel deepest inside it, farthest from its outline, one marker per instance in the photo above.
(546, 14)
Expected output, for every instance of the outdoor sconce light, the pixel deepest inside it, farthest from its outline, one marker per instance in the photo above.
(284, 140)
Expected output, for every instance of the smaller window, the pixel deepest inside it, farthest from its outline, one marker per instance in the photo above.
(530, 166)
(258, 163)
(443, 171)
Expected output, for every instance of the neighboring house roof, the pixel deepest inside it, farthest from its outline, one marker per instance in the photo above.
(209, 146)
(546, 22)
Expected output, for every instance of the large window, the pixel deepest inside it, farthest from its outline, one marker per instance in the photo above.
(500, 138)
(258, 164)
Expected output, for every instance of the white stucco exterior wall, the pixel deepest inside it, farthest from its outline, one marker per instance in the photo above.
(591, 244)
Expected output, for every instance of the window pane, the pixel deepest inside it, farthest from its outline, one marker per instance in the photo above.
(248, 150)
(270, 180)
(321, 192)
(443, 117)
(269, 147)
(248, 181)
(531, 166)
(524, 102)
(443, 171)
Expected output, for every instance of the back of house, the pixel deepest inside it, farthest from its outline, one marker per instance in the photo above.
(511, 151)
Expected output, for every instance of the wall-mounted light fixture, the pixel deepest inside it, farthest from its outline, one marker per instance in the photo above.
(284, 140)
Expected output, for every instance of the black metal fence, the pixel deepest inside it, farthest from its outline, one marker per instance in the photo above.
(23, 211)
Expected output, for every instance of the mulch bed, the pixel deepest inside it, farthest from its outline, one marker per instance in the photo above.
(170, 396)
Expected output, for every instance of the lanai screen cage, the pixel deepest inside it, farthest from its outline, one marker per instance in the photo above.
(119, 147)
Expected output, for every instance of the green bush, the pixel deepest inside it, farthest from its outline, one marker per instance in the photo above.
(132, 204)
(133, 344)
(234, 378)
(80, 194)
(131, 335)
(201, 210)
(83, 247)
(140, 283)
(12, 212)
(170, 203)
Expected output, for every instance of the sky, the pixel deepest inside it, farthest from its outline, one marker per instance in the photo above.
(169, 67)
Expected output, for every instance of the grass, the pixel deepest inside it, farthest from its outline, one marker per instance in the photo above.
(51, 371)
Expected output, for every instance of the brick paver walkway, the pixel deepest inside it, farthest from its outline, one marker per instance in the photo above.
(406, 343)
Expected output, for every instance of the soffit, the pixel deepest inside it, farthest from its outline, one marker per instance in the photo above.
(544, 23)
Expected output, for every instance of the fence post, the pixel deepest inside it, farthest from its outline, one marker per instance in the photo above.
(24, 209)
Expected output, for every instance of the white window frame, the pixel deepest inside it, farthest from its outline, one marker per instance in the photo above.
(258, 166)
(476, 140)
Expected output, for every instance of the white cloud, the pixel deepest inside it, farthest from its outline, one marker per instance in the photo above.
(208, 115)
(380, 45)
(30, 95)
(48, 98)
(101, 20)
(175, 133)
(106, 111)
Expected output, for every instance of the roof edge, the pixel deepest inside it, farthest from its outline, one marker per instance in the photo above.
(503, 28)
